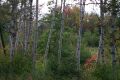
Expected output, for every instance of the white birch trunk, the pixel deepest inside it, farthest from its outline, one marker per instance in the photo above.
(49, 36)
(13, 29)
(101, 38)
(61, 34)
(112, 36)
(35, 37)
(79, 39)
(25, 28)
(113, 47)
(29, 28)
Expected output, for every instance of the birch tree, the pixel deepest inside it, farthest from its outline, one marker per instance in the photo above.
(113, 27)
(13, 28)
(101, 33)
(82, 8)
(30, 25)
(61, 32)
(49, 35)
(35, 37)
(2, 41)
(1, 33)
(25, 27)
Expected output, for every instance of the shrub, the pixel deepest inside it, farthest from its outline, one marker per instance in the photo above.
(85, 54)
(20, 66)
(91, 38)
(107, 72)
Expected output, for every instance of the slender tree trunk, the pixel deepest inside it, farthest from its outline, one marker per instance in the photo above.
(25, 29)
(19, 37)
(113, 47)
(34, 49)
(13, 29)
(61, 34)
(49, 36)
(82, 7)
(101, 39)
(2, 41)
(79, 39)
(61, 5)
(56, 3)
(29, 28)
(113, 52)
(0, 2)
(113, 40)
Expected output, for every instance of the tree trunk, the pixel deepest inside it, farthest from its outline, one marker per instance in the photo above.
(113, 40)
(80, 35)
(0, 2)
(61, 33)
(101, 39)
(56, 3)
(13, 29)
(28, 39)
(49, 36)
(25, 26)
(19, 41)
(113, 46)
(79, 39)
(35, 37)
(2, 41)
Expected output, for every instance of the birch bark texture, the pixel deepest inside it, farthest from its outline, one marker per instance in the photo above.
(28, 36)
(79, 39)
(61, 32)
(13, 28)
(2, 41)
(113, 40)
(35, 37)
(113, 46)
(101, 33)
(49, 35)
(2, 37)
(25, 27)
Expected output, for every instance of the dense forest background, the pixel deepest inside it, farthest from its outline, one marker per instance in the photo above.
(66, 44)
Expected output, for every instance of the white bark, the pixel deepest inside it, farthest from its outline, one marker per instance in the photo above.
(113, 48)
(101, 39)
(35, 37)
(25, 28)
(49, 36)
(113, 41)
(79, 39)
(61, 33)
(13, 29)
(29, 28)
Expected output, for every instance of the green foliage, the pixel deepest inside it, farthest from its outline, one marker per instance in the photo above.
(107, 72)
(68, 53)
(68, 63)
(67, 69)
(90, 38)
(85, 54)
(21, 66)
(42, 43)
